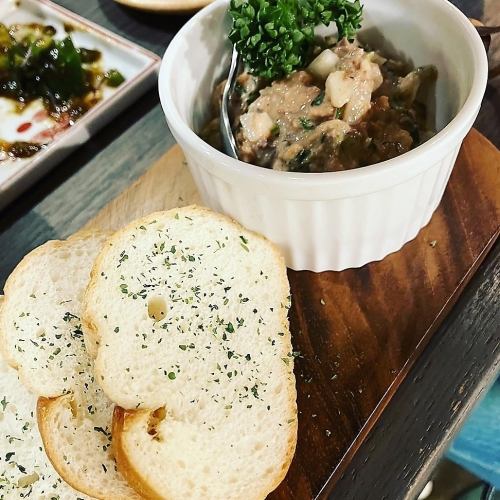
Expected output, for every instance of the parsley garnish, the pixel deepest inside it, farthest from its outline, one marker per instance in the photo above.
(68, 317)
(102, 431)
(306, 123)
(318, 99)
(123, 257)
(275, 37)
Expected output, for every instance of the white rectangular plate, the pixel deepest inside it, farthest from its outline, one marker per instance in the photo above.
(137, 65)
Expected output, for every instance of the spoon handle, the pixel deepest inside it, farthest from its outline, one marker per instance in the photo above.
(228, 140)
(485, 33)
(487, 30)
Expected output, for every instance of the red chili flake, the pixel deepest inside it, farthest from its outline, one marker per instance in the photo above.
(23, 127)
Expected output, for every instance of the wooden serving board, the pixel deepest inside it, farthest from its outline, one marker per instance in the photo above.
(360, 330)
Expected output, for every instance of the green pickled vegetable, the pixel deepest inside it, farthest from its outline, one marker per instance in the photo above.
(114, 78)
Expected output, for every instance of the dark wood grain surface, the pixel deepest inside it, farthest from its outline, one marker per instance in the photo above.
(360, 331)
(461, 361)
(454, 369)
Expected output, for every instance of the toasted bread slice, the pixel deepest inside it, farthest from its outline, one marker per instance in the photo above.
(77, 440)
(25, 470)
(40, 328)
(43, 338)
(190, 313)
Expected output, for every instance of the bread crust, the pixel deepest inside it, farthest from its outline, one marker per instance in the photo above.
(46, 410)
(124, 420)
(121, 420)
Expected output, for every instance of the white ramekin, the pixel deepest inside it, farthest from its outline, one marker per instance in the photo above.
(337, 220)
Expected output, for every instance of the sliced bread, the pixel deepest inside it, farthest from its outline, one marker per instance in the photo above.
(25, 470)
(40, 327)
(189, 311)
(76, 433)
(42, 336)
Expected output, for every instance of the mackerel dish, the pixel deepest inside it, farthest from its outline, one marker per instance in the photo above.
(345, 106)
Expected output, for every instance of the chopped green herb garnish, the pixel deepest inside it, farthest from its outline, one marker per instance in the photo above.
(239, 88)
(301, 162)
(306, 123)
(68, 317)
(275, 37)
(319, 99)
(102, 431)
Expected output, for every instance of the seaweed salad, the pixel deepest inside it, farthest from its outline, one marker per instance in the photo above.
(35, 65)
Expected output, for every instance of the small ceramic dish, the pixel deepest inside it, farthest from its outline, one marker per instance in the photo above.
(137, 65)
(167, 6)
(332, 220)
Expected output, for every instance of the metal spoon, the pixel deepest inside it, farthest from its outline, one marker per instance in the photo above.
(228, 141)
